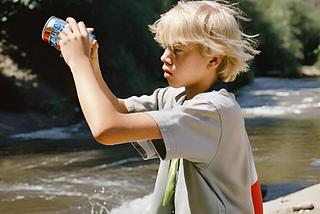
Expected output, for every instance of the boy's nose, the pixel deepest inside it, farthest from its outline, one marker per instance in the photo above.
(166, 56)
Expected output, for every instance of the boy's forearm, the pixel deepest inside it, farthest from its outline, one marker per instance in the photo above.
(96, 106)
(117, 103)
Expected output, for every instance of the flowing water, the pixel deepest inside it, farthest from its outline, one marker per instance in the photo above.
(63, 170)
(71, 176)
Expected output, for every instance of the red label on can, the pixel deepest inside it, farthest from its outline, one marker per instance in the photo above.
(52, 29)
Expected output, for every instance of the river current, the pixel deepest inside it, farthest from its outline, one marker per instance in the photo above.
(63, 170)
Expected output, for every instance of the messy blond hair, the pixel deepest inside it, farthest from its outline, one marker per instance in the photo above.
(214, 27)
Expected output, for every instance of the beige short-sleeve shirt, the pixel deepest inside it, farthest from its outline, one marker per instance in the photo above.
(207, 133)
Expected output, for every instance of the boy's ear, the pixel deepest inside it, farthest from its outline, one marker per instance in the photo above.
(214, 62)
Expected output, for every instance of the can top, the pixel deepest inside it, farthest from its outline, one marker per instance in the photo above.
(45, 27)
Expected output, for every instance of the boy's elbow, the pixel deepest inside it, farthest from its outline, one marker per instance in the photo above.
(103, 136)
(106, 131)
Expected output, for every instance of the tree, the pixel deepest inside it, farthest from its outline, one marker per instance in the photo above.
(128, 54)
(296, 33)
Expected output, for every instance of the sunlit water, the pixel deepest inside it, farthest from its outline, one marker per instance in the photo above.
(72, 176)
(63, 170)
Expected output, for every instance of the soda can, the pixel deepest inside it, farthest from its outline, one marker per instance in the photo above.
(51, 30)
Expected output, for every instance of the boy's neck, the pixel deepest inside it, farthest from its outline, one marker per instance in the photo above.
(191, 92)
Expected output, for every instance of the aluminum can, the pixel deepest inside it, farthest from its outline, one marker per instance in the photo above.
(51, 30)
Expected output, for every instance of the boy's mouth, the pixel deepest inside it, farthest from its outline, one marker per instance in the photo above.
(167, 72)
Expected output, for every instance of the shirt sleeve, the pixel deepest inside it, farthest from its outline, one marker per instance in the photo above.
(148, 149)
(144, 103)
(191, 131)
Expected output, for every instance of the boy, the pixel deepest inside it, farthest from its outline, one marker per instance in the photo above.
(194, 126)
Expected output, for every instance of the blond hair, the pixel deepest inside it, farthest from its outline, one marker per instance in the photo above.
(214, 27)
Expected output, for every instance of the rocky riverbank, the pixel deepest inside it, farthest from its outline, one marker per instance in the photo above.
(28, 101)
(29, 121)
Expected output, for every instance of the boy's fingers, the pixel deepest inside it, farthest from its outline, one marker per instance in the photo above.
(62, 35)
(95, 44)
(73, 24)
(67, 29)
(94, 49)
(90, 29)
(83, 28)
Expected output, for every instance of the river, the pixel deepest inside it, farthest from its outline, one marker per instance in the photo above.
(63, 170)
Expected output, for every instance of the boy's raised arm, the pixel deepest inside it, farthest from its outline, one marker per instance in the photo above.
(94, 59)
(105, 117)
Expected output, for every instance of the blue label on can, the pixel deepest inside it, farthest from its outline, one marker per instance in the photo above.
(57, 28)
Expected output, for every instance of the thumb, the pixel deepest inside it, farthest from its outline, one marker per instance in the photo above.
(94, 49)
(90, 29)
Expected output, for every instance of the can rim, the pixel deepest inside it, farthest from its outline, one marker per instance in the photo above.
(45, 26)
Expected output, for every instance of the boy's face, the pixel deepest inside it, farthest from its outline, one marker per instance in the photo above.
(187, 67)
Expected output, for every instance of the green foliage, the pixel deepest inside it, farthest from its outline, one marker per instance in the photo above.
(11, 99)
(53, 106)
(129, 57)
(317, 50)
(242, 80)
(130, 62)
(289, 36)
(317, 64)
(299, 30)
(289, 33)
(11, 7)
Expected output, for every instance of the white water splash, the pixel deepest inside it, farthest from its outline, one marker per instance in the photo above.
(79, 130)
(55, 133)
(136, 206)
(269, 111)
(269, 97)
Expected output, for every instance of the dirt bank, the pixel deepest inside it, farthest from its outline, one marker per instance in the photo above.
(303, 201)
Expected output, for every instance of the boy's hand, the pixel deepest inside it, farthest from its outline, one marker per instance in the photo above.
(94, 57)
(74, 43)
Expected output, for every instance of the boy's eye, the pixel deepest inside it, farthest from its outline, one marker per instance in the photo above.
(177, 50)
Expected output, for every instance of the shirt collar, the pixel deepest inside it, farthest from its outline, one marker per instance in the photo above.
(218, 87)
(215, 87)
